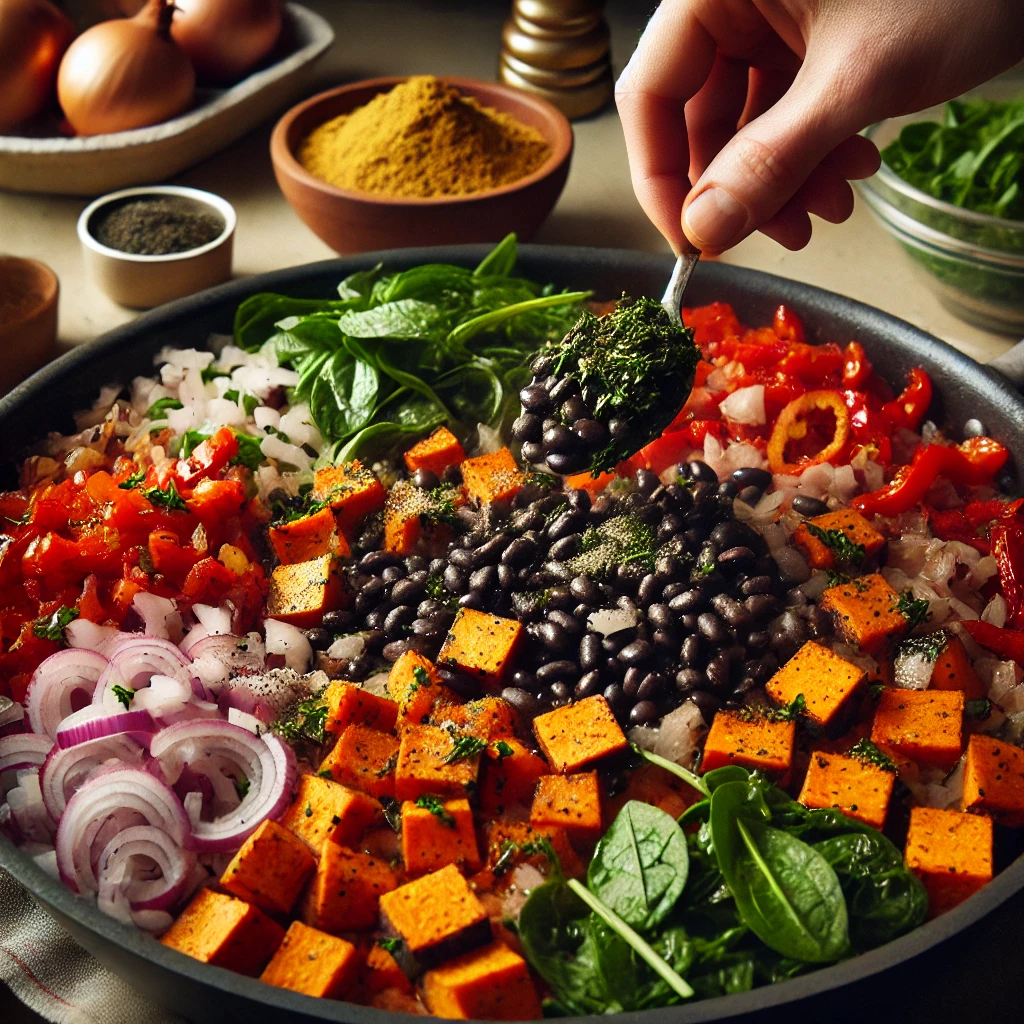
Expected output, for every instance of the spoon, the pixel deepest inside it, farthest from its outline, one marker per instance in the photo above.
(672, 300)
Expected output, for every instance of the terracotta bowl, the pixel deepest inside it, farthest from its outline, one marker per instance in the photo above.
(350, 221)
(28, 318)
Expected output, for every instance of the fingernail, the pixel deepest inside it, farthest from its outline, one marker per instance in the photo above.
(715, 219)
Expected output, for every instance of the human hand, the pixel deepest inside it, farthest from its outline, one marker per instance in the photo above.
(757, 103)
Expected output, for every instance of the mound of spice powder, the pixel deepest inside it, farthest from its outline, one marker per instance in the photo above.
(423, 138)
(156, 225)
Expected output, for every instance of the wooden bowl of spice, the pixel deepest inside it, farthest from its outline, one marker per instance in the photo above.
(28, 318)
(393, 162)
(144, 246)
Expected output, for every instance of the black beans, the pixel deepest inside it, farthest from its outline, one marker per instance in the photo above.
(375, 562)
(407, 591)
(749, 476)
(588, 685)
(506, 576)
(522, 700)
(369, 594)
(551, 635)
(756, 585)
(536, 399)
(617, 699)
(652, 686)
(636, 653)
(660, 616)
(731, 534)
(454, 579)
(533, 452)
(541, 367)
(319, 638)
(398, 618)
(527, 427)
(567, 622)
(337, 621)
(805, 505)
(592, 434)
(490, 551)
(691, 654)
(762, 606)
(618, 427)
(643, 712)
(425, 478)
(719, 670)
(734, 613)
(473, 599)
(521, 552)
(485, 579)
(688, 601)
(563, 525)
(728, 489)
(574, 409)
(713, 628)
(565, 548)
(701, 472)
(737, 559)
(560, 598)
(563, 389)
(706, 703)
(559, 440)
(591, 652)
(554, 671)
(688, 679)
(646, 481)
(631, 681)
(583, 588)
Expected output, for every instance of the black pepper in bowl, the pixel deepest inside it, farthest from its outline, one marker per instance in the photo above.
(156, 225)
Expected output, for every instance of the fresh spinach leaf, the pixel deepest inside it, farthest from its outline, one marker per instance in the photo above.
(360, 284)
(491, 319)
(344, 395)
(500, 261)
(405, 318)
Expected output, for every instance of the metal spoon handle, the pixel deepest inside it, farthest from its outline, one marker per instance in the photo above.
(672, 300)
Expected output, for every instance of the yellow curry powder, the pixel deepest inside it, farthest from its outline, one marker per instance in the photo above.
(423, 139)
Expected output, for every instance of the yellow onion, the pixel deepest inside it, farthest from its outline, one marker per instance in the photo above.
(126, 73)
(226, 39)
(33, 36)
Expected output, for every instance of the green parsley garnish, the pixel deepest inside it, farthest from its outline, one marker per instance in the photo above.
(168, 497)
(305, 721)
(309, 810)
(52, 628)
(913, 609)
(504, 750)
(160, 406)
(242, 787)
(845, 550)
(866, 751)
(978, 709)
(212, 373)
(930, 646)
(788, 713)
(436, 807)
(135, 480)
(124, 696)
(507, 858)
(420, 678)
(464, 747)
(389, 945)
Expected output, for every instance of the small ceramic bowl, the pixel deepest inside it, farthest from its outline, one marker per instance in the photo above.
(350, 221)
(146, 281)
(28, 318)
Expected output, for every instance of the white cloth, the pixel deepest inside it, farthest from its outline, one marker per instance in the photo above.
(51, 974)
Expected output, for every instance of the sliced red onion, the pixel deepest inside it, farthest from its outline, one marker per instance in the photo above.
(90, 636)
(135, 662)
(192, 637)
(51, 691)
(246, 721)
(94, 723)
(112, 800)
(164, 696)
(216, 659)
(28, 810)
(159, 615)
(64, 771)
(23, 750)
(267, 764)
(284, 638)
(131, 859)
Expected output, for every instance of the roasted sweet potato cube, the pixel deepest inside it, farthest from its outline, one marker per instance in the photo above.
(436, 917)
(827, 682)
(382, 971)
(515, 842)
(396, 1000)
(365, 759)
(325, 811)
(847, 521)
(352, 491)
(313, 962)
(865, 612)
(407, 517)
(424, 769)
(301, 593)
(579, 734)
(510, 773)
(270, 869)
(751, 741)
(651, 784)
(856, 787)
(307, 538)
(344, 893)
(415, 686)
(488, 718)
(492, 983)
(994, 780)
(481, 645)
(951, 853)
(225, 932)
(925, 726)
(494, 477)
(954, 671)
(571, 802)
(438, 832)
(436, 453)
(349, 704)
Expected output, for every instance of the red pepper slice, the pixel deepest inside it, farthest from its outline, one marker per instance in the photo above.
(1007, 643)
(910, 407)
(1008, 550)
(856, 367)
(209, 457)
(788, 326)
(792, 425)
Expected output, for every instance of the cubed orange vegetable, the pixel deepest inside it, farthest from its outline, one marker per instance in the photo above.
(513, 842)
(751, 741)
(492, 983)
(364, 759)
(307, 538)
(436, 453)
(951, 853)
(270, 869)
(301, 593)
(925, 726)
(424, 769)
(349, 704)
(954, 671)
(415, 686)
(438, 833)
(225, 932)
(865, 612)
(325, 811)
(579, 734)
(856, 787)
(313, 962)
(994, 780)
(510, 773)
(407, 516)
(353, 492)
(488, 718)
(651, 784)
(383, 972)
(571, 802)
(847, 521)
(346, 889)
(828, 683)
(494, 477)
(481, 645)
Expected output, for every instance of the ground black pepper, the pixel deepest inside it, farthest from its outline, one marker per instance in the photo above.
(156, 225)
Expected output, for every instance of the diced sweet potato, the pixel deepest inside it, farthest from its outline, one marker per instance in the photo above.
(365, 759)
(847, 521)
(994, 780)
(313, 962)
(225, 932)
(829, 684)
(925, 726)
(438, 833)
(510, 773)
(325, 811)
(651, 784)
(488, 718)
(865, 612)
(423, 765)
(396, 1000)
(352, 491)
(436, 917)
(307, 538)
(346, 889)
(515, 842)
(751, 741)
(856, 787)
(579, 734)
(301, 593)
(270, 869)
(571, 802)
(951, 853)
(415, 686)
(481, 645)
(436, 453)
(492, 983)
(406, 517)
(383, 972)
(349, 704)
(494, 477)
(954, 671)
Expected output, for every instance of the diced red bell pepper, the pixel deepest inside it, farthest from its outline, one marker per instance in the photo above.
(816, 365)
(909, 408)
(856, 367)
(1007, 643)
(208, 581)
(216, 500)
(789, 326)
(1008, 550)
(208, 458)
(712, 322)
(89, 603)
(169, 557)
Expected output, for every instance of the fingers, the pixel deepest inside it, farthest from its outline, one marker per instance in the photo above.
(854, 158)
(826, 194)
(713, 115)
(790, 227)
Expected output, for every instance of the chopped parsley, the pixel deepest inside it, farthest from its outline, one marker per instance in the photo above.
(167, 498)
(621, 540)
(305, 722)
(249, 401)
(52, 628)
(464, 747)
(250, 454)
(847, 552)
(242, 787)
(309, 810)
(930, 646)
(913, 609)
(160, 406)
(325, 773)
(135, 480)
(759, 713)
(212, 373)
(506, 860)
(504, 750)
(420, 678)
(124, 696)
(978, 709)
(288, 510)
(866, 751)
(435, 805)
(389, 945)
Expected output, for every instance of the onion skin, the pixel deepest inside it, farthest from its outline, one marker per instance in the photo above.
(226, 39)
(126, 73)
(33, 37)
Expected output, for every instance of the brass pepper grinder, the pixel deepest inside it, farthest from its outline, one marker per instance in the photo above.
(559, 49)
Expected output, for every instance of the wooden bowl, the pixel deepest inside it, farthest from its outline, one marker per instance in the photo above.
(350, 221)
(28, 318)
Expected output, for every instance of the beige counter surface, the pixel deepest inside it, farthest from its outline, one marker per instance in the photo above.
(382, 37)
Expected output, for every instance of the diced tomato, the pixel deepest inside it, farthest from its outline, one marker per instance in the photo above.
(789, 326)
(209, 458)
(712, 322)
(169, 557)
(214, 501)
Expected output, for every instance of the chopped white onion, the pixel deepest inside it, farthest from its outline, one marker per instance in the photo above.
(745, 405)
(284, 638)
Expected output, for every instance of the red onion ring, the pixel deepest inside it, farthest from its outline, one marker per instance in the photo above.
(216, 659)
(134, 662)
(24, 750)
(64, 771)
(119, 864)
(55, 681)
(94, 723)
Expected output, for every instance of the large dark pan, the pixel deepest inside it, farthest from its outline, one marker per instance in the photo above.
(964, 966)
